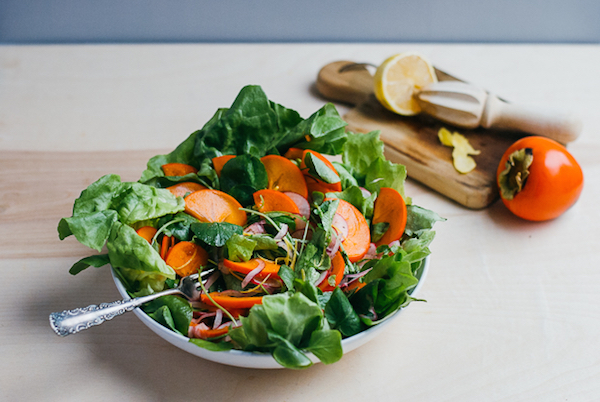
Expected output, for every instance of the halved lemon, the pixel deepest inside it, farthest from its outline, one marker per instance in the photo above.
(398, 78)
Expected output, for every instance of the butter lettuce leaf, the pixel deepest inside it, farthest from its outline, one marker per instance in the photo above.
(364, 159)
(286, 325)
(137, 202)
(108, 201)
(360, 151)
(139, 263)
(90, 229)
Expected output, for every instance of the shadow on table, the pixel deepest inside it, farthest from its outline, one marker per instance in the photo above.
(502, 217)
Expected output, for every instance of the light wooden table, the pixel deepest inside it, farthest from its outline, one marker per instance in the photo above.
(513, 307)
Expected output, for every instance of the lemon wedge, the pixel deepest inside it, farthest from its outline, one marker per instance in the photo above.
(398, 78)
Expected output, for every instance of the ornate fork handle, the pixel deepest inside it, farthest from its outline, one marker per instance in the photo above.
(72, 321)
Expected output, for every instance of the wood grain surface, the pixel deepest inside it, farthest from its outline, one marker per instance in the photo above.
(413, 140)
(37, 189)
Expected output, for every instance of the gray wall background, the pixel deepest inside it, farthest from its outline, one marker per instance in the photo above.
(118, 21)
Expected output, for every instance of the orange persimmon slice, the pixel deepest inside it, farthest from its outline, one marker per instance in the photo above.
(220, 161)
(147, 232)
(337, 269)
(391, 208)
(271, 200)
(181, 189)
(271, 269)
(178, 169)
(284, 175)
(214, 206)
(209, 333)
(228, 302)
(186, 258)
(356, 244)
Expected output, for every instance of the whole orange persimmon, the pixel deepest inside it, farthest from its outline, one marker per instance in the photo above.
(539, 179)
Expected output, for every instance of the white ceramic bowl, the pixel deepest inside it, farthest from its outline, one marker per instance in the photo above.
(252, 359)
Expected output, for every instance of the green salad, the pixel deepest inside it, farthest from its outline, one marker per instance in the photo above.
(301, 228)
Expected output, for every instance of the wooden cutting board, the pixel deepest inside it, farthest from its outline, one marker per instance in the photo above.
(413, 141)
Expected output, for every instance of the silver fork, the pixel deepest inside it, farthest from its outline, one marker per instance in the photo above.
(72, 321)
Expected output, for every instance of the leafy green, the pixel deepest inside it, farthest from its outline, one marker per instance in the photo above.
(90, 229)
(324, 129)
(346, 178)
(325, 344)
(171, 311)
(212, 346)
(386, 289)
(285, 325)
(319, 169)
(242, 176)
(215, 233)
(136, 202)
(263, 242)
(184, 153)
(341, 315)
(102, 215)
(140, 265)
(383, 173)
(287, 275)
(363, 157)
(98, 196)
(96, 261)
(178, 225)
(378, 230)
(360, 151)
(355, 196)
(308, 289)
(326, 212)
(419, 219)
(312, 261)
(249, 126)
(277, 218)
(240, 248)
(109, 201)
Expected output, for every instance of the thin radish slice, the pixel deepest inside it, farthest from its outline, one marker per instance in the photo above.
(218, 318)
(228, 324)
(197, 330)
(366, 193)
(340, 225)
(284, 246)
(253, 273)
(371, 252)
(211, 279)
(282, 232)
(256, 228)
(300, 202)
(334, 245)
(395, 243)
(348, 279)
(321, 278)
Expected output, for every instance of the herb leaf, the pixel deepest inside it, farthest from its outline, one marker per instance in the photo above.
(319, 170)
(215, 233)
